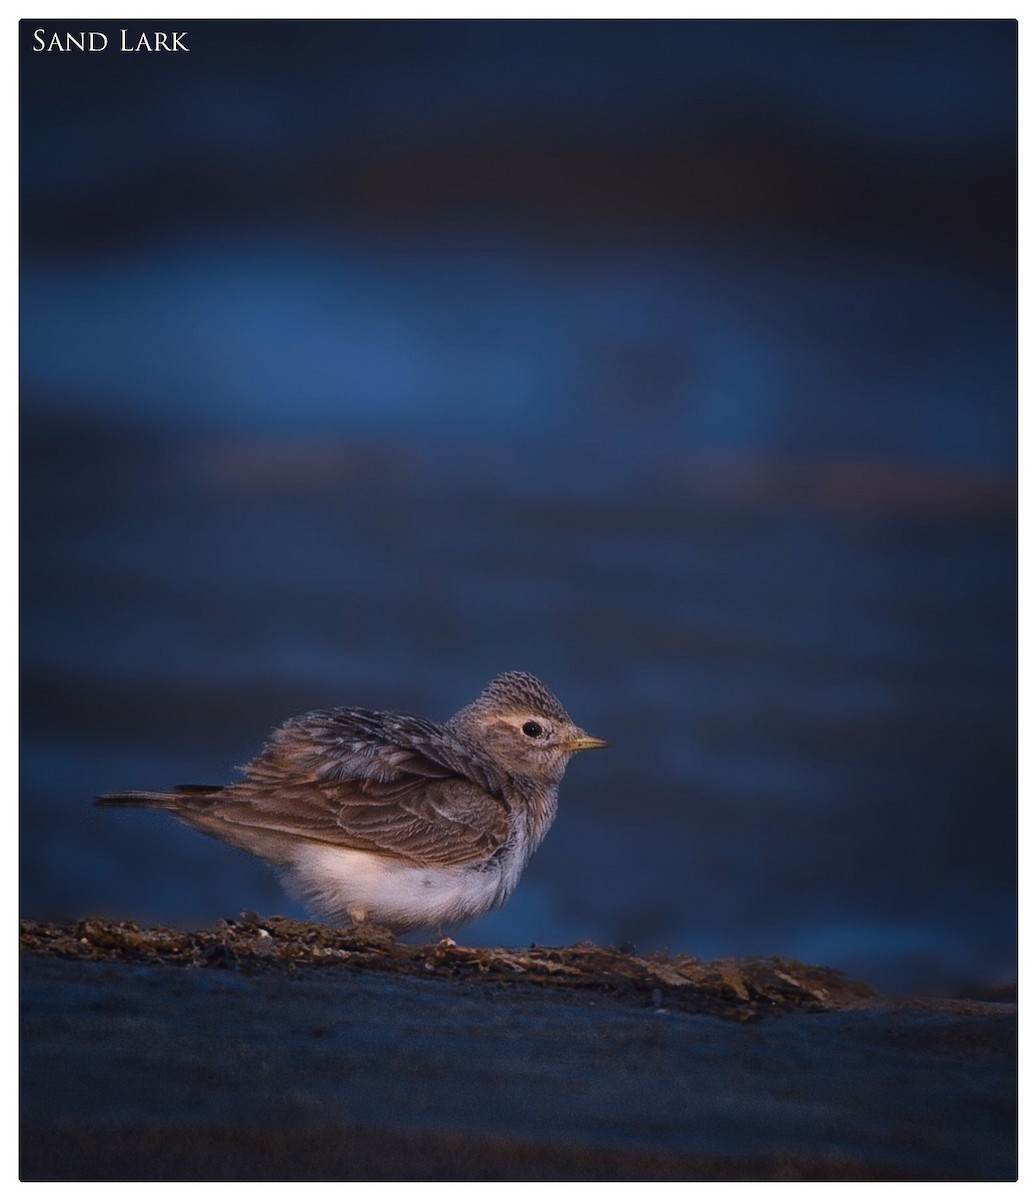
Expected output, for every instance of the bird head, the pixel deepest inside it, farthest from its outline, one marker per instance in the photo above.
(523, 725)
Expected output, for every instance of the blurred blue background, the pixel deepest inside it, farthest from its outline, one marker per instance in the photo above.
(671, 361)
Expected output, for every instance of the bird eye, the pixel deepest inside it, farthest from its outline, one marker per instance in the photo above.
(531, 729)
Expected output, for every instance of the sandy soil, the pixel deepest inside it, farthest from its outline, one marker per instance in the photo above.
(275, 1050)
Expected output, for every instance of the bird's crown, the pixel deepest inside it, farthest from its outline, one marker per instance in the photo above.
(518, 690)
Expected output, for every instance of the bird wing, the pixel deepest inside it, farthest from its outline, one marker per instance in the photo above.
(380, 782)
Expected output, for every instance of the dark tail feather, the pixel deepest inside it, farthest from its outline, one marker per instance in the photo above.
(186, 795)
(137, 799)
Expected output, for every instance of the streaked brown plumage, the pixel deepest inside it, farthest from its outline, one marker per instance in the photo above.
(392, 818)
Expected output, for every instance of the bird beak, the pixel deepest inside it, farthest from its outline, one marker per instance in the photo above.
(583, 741)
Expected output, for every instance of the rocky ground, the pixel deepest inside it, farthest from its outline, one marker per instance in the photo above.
(272, 1049)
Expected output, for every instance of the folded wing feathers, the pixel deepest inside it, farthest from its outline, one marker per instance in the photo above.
(376, 781)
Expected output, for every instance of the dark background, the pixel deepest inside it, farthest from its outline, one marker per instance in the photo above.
(672, 361)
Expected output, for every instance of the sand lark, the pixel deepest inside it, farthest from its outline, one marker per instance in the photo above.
(383, 817)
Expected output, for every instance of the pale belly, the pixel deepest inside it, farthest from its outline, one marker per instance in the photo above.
(346, 886)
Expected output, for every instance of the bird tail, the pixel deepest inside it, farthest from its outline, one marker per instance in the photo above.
(187, 795)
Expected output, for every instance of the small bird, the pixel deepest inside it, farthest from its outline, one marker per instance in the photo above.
(392, 819)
